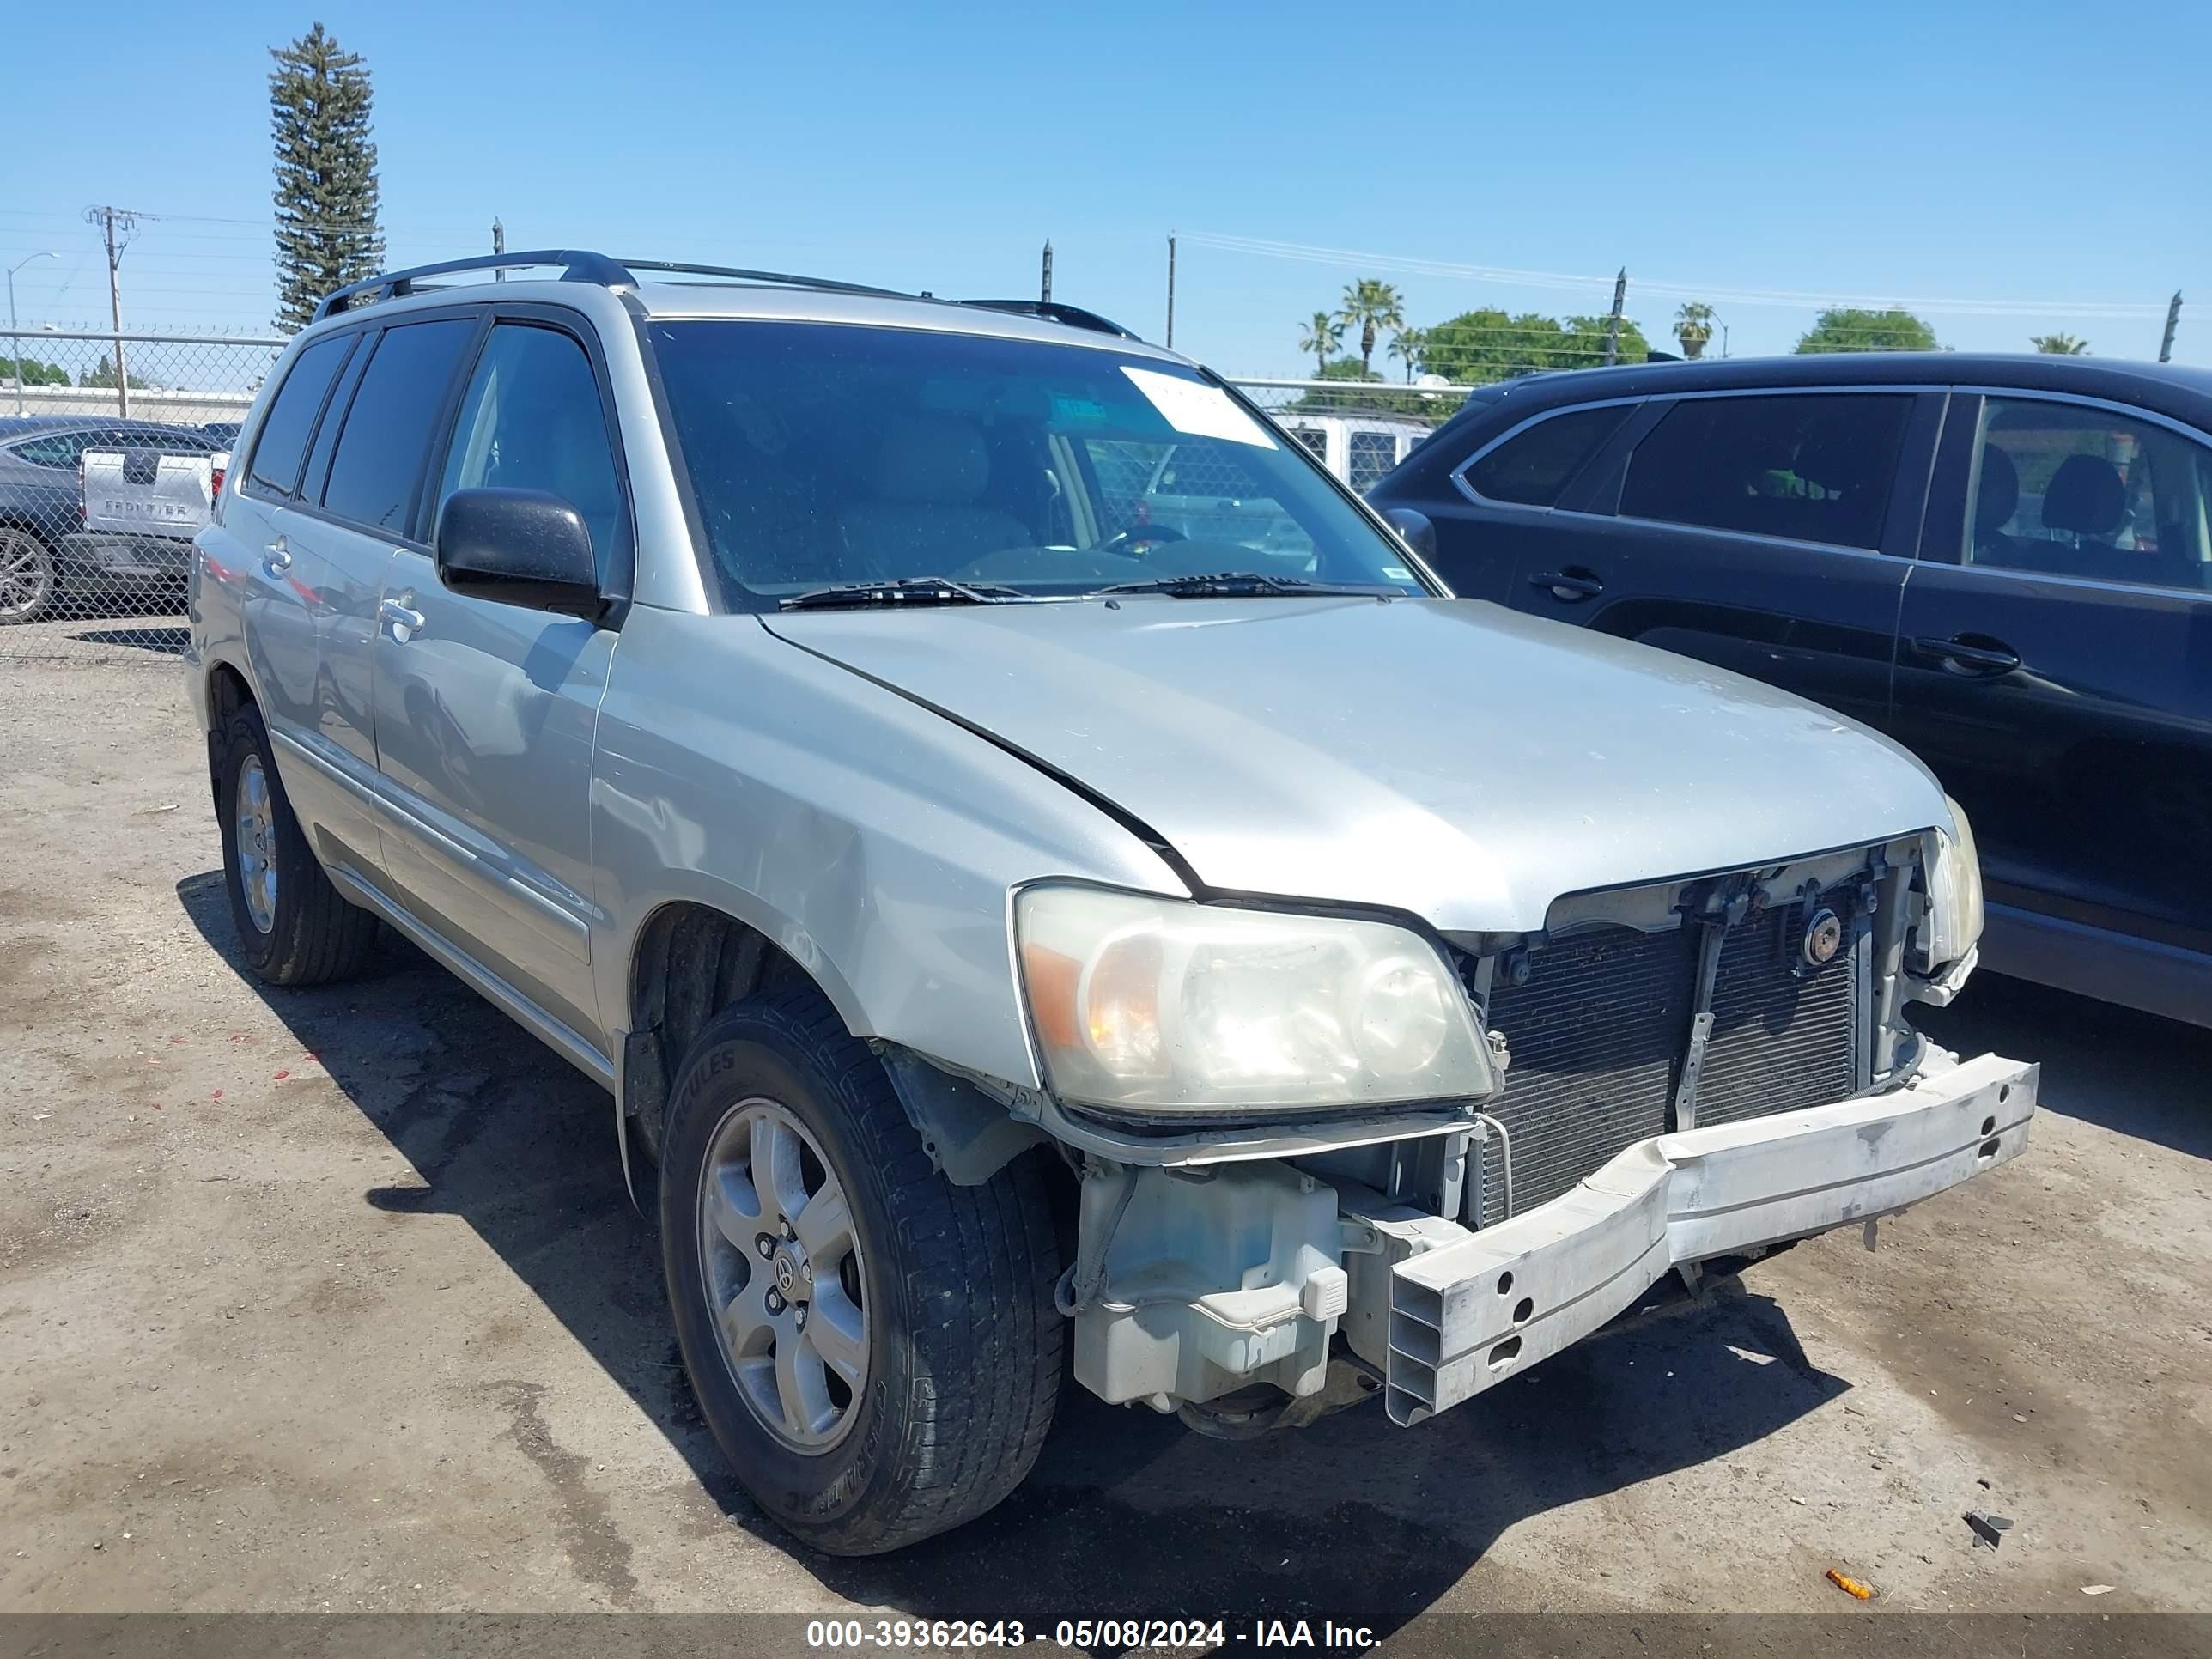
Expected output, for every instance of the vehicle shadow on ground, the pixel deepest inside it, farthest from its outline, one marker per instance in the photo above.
(1126, 1513)
(2134, 1073)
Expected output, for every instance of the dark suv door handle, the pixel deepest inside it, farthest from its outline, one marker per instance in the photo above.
(1570, 586)
(1971, 654)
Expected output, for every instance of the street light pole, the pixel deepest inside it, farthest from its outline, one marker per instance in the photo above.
(14, 339)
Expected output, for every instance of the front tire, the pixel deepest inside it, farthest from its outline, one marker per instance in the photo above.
(874, 1349)
(294, 927)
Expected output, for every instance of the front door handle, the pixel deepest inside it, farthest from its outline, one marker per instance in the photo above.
(1970, 653)
(1571, 585)
(404, 620)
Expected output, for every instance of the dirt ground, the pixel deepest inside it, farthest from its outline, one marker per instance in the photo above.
(334, 1300)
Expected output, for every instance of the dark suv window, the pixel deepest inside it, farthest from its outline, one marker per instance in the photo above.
(379, 461)
(291, 417)
(1814, 468)
(1532, 467)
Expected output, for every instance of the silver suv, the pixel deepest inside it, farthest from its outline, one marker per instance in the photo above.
(1032, 857)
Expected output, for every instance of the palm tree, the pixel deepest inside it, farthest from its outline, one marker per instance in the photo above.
(1322, 336)
(1370, 305)
(1405, 346)
(1693, 327)
(2059, 345)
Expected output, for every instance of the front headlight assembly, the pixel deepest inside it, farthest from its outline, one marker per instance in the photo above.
(1952, 926)
(1162, 1006)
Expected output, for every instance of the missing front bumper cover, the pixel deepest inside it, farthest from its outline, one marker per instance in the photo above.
(1465, 1315)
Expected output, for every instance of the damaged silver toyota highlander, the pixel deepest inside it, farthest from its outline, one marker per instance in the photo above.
(1036, 864)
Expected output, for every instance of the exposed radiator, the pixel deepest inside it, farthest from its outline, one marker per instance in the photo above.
(1599, 1031)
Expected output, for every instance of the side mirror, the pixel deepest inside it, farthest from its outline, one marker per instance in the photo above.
(1420, 534)
(518, 547)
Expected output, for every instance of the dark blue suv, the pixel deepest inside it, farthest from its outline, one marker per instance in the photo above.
(2004, 562)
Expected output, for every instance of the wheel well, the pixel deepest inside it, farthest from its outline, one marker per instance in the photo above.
(227, 692)
(692, 961)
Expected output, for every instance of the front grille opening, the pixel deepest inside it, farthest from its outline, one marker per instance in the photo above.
(1600, 1030)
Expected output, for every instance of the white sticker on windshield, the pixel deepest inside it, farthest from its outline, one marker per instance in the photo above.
(1203, 412)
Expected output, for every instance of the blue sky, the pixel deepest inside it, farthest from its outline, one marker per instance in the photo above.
(1982, 154)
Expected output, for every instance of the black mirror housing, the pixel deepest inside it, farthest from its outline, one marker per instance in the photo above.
(523, 547)
(1420, 534)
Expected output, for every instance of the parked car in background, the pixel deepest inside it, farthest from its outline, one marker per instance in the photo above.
(999, 914)
(1359, 448)
(48, 549)
(2004, 562)
(224, 432)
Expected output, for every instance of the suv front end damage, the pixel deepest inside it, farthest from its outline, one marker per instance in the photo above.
(1678, 1072)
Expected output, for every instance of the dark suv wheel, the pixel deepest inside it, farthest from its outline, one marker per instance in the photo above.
(293, 928)
(875, 1350)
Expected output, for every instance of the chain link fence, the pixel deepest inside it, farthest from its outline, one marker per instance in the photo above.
(111, 446)
(1359, 429)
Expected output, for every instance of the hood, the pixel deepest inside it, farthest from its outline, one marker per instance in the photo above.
(1448, 757)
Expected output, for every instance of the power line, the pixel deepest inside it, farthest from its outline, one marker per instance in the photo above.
(1265, 248)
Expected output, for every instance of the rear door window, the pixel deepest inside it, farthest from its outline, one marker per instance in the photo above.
(2074, 490)
(377, 465)
(1532, 467)
(1812, 468)
(277, 452)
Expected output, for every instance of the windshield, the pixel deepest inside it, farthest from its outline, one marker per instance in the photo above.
(826, 454)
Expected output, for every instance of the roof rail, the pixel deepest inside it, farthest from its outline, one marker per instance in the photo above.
(578, 265)
(1053, 312)
(831, 283)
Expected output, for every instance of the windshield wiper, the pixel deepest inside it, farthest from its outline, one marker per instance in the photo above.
(908, 590)
(1241, 585)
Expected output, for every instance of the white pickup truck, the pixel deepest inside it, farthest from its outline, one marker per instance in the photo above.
(142, 506)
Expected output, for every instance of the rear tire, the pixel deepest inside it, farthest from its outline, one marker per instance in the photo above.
(294, 927)
(958, 1351)
(26, 576)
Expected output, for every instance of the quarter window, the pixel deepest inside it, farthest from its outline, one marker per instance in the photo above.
(291, 417)
(378, 464)
(1813, 468)
(1533, 467)
(532, 420)
(2070, 490)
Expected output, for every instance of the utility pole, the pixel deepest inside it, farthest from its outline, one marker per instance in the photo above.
(2172, 321)
(14, 338)
(1613, 323)
(1045, 292)
(1170, 339)
(109, 219)
(498, 247)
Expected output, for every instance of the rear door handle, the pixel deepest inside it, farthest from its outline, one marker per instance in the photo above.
(1971, 654)
(404, 620)
(276, 558)
(1571, 585)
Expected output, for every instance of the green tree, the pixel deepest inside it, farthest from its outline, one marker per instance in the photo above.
(328, 231)
(1486, 344)
(1847, 328)
(32, 371)
(104, 374)
(1405, 346)
(1371, 305)
(1322, 335)
(1582, 342)
(1693, 327)
(2059, 345)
